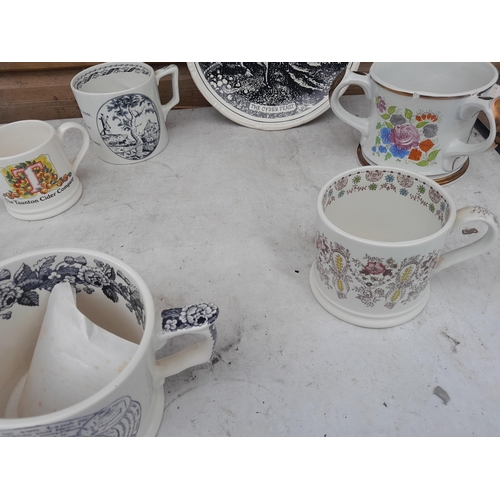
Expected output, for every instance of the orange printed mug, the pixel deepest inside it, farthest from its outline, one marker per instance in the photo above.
(38, 179)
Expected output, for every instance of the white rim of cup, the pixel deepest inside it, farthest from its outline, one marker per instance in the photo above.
(13, 125)
(102, 65)
(391, 244)
(434, 95)
(67, 413)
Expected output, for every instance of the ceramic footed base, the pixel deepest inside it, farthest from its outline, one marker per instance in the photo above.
(53, 209)
(366, 320)
(442, 179)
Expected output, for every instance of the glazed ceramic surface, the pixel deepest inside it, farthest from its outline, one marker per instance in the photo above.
(38, 180)
(421, 114)
(380, 237)
(121, 108)
(113, 296)
(267, 95)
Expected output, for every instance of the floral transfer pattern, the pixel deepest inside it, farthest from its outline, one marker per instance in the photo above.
(404, 135)
(399, 183)
(21, 288)
(373, 279)
(189, 317)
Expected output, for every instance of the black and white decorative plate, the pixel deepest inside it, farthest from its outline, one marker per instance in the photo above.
(268, 95)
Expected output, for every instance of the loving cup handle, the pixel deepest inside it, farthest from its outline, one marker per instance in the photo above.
(471, 106)
(195, 320)
(466, 215)
(363, 81)
(85, 144)
(159, 74)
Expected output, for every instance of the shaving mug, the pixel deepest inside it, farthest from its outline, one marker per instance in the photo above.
(114, 297)
(421, 115)
(380, 237)
(121, 108)
(38, 179)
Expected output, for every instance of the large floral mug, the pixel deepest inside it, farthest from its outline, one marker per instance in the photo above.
(380, 237)
(115, 297)
(421, 115)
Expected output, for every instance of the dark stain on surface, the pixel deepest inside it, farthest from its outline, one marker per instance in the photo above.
(452, 340)
(441, 394)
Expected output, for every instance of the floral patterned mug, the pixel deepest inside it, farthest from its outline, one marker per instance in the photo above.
(380, 237)
(113, 296)
(421, 115)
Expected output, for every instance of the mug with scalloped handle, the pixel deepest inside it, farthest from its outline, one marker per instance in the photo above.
(114, 297)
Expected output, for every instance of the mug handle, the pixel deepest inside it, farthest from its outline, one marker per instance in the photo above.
(159, 74)
(196, 319)
(465, 215)
(473, 104)
(363, 81)
(85, 144)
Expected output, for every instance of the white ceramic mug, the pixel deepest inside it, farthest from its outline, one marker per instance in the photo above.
(421, 115)
(380, 236)
(121, 108)
(115, 297)
(38, 179)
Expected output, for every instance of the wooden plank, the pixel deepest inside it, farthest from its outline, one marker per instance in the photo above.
(41, 91)
(41, 66)
(46, 94)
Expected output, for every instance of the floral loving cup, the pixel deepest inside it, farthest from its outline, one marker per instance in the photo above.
(380, 236)
(121, 108)
(113, 296)
(421, 115)
(38, 180)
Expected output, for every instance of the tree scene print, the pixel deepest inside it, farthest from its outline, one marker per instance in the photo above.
(271, 89)
(129, 125)
(404, 135)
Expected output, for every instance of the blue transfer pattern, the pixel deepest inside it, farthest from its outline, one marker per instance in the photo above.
(22, 288)
(121, 418)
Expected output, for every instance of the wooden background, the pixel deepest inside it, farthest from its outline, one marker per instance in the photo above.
(41, 91)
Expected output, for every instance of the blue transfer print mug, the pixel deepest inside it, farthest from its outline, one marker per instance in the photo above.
(121, 108)
(115, 297)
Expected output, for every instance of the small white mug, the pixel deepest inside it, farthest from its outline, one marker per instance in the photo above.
(380, 237)
(121, 108)
(38, 179)
(421, 115)
(115, 297)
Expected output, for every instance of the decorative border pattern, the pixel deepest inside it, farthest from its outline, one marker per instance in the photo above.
(93, 74)
(47, 272)
(189, 317)
(398, 183)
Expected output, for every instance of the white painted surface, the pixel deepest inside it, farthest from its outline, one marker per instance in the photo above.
(227, 214)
